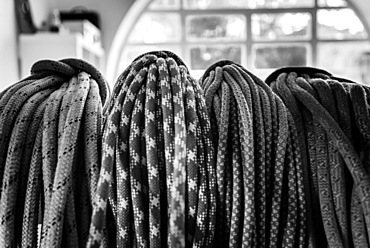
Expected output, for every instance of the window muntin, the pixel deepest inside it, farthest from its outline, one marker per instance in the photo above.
(282, 3)
(332, 3)
(215, 4)
(247, 4)
(206, 29)
(165, 5)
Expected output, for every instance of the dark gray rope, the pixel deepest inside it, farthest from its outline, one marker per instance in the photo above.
(340, 114)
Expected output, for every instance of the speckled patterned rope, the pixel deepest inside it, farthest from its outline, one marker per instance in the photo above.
(252, 139)
(247, 154)
(155, 124)
(289, 226)
(210, 168)
(283, 91)
(310, 125)
(222, 124)
(138, 184)
(177, 217)
(302, 218)
(260, 152)
(192, 172)
(339, 109)
(336, 167)
(31, 107)
(168, 128)
(237, 207)
(279, 170)
(349, 155)
(161, 167)
(361, 115)
(128, 206)
(322, 145)
(112, 113)
(345, 120)
(152, 158)
(278, 163)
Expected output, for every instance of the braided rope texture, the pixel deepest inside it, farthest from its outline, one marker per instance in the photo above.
(260, 190)
(50, 134)
(157, 185)
(168, 161)
(332, 118)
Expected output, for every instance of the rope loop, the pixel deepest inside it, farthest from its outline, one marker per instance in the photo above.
(220, 63)
(163, 54)
(70, 67)
(330, 113)
(311, 71)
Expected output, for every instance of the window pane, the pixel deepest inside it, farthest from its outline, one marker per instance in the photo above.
(342, 59)
(248, 4)
(281, 26)
(157, 28)
(215, 4)
(216, 27)
(201, 57)
(332, 3)
(274, 56)
(281, 3)
(131, 52)
(339, 24)
(165, 4)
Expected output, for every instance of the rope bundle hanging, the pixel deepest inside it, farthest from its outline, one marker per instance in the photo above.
(332, 118)
(260, 186)
(166, 161)
(49, 154)
(157, 183)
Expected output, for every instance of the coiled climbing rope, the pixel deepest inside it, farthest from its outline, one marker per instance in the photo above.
(166, 161)
(49, 154)
(260, 189)
(157, 182)
(333, 117)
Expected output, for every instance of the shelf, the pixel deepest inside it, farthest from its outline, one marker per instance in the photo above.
(35, 47)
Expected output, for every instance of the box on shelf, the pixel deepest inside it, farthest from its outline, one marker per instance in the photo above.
(88, 30)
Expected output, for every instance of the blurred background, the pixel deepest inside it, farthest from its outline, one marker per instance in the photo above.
(261, 35)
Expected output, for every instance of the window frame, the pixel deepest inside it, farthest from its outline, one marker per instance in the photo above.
(249, 42)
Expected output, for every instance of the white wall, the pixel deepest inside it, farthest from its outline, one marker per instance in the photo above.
(111, 14)
(8, 45)
(9, 66)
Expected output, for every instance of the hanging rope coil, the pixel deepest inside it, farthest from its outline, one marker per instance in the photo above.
(48, 122)
(158, 176)
(166, 161)
(334, 128)
(258, 161)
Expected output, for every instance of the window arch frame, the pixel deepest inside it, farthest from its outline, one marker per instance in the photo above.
(139, 7)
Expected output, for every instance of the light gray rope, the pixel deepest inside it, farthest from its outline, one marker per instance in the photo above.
(34, 112)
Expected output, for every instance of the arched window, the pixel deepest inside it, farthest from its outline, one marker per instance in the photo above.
(262, 35)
